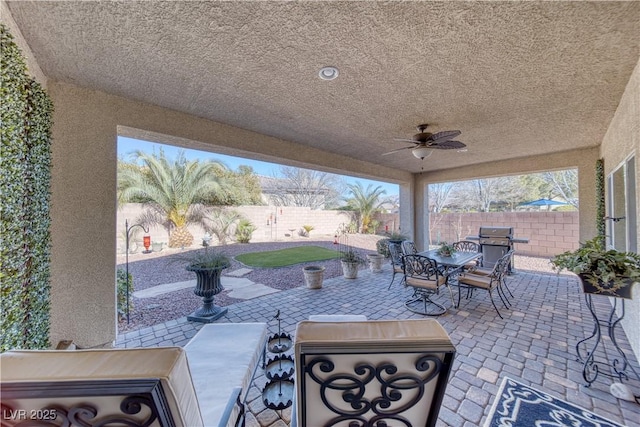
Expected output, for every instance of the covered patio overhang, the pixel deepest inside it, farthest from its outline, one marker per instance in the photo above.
(533, 86)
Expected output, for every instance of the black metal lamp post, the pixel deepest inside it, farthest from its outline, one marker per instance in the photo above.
(126, 250)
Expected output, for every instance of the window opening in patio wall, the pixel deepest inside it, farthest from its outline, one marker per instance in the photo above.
(288, 199)
(542, 207)
(621, 207)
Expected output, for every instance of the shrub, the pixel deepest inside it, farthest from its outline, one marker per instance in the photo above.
(307, 229)
(382, 246)
(25, 175)
(121, 283)
(244, 231)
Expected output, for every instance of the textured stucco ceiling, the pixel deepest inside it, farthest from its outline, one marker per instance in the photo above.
(517, 78)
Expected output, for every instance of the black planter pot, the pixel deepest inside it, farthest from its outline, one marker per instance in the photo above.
(208, 285)
(594, 285)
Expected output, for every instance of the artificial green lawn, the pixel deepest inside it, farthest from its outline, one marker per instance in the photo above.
(284, 257)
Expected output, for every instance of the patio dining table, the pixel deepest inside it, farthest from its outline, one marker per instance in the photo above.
(453, 264)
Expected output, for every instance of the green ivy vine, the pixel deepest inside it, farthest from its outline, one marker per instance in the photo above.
(600, 201)
(25, 176)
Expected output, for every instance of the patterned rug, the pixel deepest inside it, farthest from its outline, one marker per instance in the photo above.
(518, 405)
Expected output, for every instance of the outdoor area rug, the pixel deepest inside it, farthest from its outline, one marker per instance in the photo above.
(518, 405)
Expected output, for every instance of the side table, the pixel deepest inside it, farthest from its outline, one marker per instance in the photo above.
(591, 368)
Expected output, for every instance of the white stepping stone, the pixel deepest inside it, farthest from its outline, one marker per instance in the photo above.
(239, 272)
(239, 288)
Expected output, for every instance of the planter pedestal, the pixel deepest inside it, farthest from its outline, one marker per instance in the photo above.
(207, 286)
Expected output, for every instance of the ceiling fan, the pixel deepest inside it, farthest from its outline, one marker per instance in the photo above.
(426, 142)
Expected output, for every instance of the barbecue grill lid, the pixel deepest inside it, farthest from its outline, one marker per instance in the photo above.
(496, 232)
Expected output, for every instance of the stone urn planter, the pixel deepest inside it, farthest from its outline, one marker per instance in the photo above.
(313, 276)
(375, 262)
(350, 269)
(208, 267)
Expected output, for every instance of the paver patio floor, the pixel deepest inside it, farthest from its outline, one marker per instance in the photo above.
(534, 344)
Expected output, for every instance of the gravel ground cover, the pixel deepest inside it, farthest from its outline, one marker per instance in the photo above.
(164, 267)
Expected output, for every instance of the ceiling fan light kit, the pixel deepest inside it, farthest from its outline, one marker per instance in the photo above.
(425, 142)
(422, 152)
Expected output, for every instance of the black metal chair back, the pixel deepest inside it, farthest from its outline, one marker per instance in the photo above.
(408, 247)
(397, 263)
(466, 246)
(425, 277)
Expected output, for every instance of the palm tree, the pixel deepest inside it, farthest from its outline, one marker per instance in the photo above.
(365, 202)
(172, 190)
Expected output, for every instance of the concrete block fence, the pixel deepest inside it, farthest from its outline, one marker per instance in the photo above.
(549, 233)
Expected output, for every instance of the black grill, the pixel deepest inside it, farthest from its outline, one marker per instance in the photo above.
(494, 243)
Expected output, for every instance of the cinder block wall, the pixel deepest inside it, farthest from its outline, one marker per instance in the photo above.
(549, 233)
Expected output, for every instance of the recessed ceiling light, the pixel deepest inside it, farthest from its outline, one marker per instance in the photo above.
(328, 73)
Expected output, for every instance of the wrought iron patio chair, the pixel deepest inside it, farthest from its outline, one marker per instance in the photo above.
(468, 246)
(426, 278)
(408, 247)
(489, 282)
(397, 263)
(483, 271)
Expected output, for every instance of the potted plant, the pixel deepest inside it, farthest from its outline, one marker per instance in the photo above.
(446, 249)
(396, 237)
(601, 271)
(351, 261)
(313, 276)
(375, 262)
(382, 245)
(207, 264)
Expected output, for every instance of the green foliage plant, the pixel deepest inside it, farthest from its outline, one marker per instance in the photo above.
(396, 236)
(350, 255)
(600, 200)
(25, 175)
(608, 269)
(121, 290)
(307, 229)
(221, 223)
(172, 188)
(446, 249)
(382, 247)
(203, 259)
(366, 203)
(244, 231)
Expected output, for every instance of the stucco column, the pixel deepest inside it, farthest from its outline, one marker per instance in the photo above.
(83, 213)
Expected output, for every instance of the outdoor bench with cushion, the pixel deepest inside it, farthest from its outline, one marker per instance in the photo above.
(203, 384)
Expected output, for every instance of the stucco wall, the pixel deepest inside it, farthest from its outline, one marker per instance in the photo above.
(86, 124)
(622, 140)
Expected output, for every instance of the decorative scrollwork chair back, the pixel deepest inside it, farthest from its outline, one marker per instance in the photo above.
(397, 263)
(133, 387)
(408, 247)
(373, 373)
(469, 246)
(491, 282)
(426, 278)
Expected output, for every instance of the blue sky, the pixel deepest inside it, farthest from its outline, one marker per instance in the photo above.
(127, 145)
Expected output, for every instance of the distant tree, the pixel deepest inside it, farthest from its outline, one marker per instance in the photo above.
(365, 203)
(241, 187)
(563, 184)
(172, 189)
(306, 188)
(439, 196)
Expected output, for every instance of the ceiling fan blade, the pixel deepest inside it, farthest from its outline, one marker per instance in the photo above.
(398, 149)
(447, 145)
(444, 136)
(405, 140)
